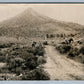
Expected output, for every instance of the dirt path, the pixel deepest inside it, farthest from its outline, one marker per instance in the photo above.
(61, 68)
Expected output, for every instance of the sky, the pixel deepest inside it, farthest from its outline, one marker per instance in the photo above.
(62, 12)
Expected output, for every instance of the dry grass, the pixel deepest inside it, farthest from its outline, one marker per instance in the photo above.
(4, 39)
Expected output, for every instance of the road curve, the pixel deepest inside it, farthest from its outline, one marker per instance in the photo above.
(61, 68)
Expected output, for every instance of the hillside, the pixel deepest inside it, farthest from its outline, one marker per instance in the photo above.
(32, 24)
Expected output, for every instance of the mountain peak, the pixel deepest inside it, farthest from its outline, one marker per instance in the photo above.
(30, 11)
(26, 24)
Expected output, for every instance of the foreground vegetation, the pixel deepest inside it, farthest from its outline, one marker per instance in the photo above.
(22, 62)
(73, 49)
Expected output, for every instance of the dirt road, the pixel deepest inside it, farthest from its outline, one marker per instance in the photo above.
(61, 68)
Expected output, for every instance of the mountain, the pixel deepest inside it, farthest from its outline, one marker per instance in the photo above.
(32, 24)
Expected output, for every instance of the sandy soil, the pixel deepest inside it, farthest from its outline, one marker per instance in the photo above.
(61, 68)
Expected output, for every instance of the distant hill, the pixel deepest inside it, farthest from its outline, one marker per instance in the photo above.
(32, 24)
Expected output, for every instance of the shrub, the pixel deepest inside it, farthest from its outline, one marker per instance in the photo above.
(63, 48)
(14, 63)
(47, 35)
(39, 51)
(61, 35)
(2, 53)
(45, 43)
(52, 35)
(82, 50)
(25, 55)
(74, 52)
(71, 54)
(2, 59)
(37, 74)
(18, 70)
(5, 45)
(41, 60)
(31, 62)
(31, 50)
(66, 48)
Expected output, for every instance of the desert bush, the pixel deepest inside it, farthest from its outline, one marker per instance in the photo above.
(47, 35)
(36, 74)
(6, 45)
(52, 35)
(15, 53)
(2, 59)
(45, 43)
(26, 55)
(39, 51)
(14, 63)
(23, 53)
(41, 60)
(74, 52)
(82, 50)
(33, 44)
(66, 48)
(18, 70)
(3, 53)
(31, 50)
(61, 35)
(31, 62)
(63, 48)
